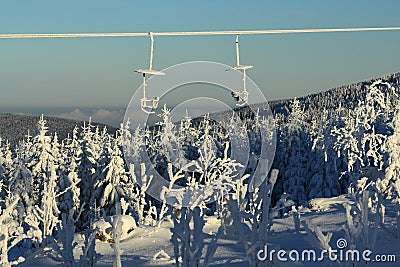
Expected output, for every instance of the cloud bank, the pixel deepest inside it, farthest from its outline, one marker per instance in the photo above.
(109, 117)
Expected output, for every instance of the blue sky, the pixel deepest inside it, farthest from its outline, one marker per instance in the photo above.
(96, 72)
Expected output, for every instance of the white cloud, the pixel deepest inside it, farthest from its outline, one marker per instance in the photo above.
(74, 115)
(113, 118)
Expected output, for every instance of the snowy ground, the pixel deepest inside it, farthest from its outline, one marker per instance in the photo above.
(144, 242)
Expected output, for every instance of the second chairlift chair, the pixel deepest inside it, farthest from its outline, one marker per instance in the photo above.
(240, 96)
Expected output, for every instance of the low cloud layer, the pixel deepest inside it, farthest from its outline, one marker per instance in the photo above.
(114, 117)
(109, 117)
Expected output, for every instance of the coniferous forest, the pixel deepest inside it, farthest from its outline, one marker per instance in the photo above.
(342, 142)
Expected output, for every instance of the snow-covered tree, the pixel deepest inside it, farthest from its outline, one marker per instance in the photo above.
(40, 160)
(392, 172)
(6, 166)
(70, 199)
(6, 156)
(110, 184)
(10, 231)
(3, 171)
(56, 150)
(390, 184)
(347, 144)
(373, 110)
(25, 147)
(48, 208)
(21, 182)
(324, 180)
(88, 169)
(295, 140)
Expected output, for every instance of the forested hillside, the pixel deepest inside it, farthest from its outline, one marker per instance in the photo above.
(343, 141)
(15, 127)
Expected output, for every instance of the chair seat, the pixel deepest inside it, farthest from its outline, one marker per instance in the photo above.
(242, 67)
(152, 72)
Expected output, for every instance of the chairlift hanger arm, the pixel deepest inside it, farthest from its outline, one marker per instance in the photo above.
(151, 50)
(193, 33)
(237, 50)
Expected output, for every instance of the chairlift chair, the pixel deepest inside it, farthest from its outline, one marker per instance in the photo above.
(240, 96)
(148, 104)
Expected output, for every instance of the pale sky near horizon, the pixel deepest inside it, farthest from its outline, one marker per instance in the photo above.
(98, 72)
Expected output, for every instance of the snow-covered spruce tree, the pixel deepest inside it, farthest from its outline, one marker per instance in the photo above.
(6, 166)
(390, 184)
(3, 171)
(10, 231)
(88, 170)
(69, 185)
(167, 139)
(324, 181)
(392, 172)
(135, 143)
(295, 144)
(72, 146)
(56, 150)
(48, 208)
(69, 201)
(6, 156)
(25, 147)
(21, 181)
(44, 188)
(110, 185)
(361, 138)
(39, 161)
(347, 144)
(373, 125)
(133, 146)
(187, 133)
(397, 185)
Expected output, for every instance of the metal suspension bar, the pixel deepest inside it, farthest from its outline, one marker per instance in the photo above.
(193, 33)
(151, 50)
(237, 51)
(144, 86)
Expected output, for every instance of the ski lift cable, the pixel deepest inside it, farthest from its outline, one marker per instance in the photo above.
(148, 105)
(190, 33)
